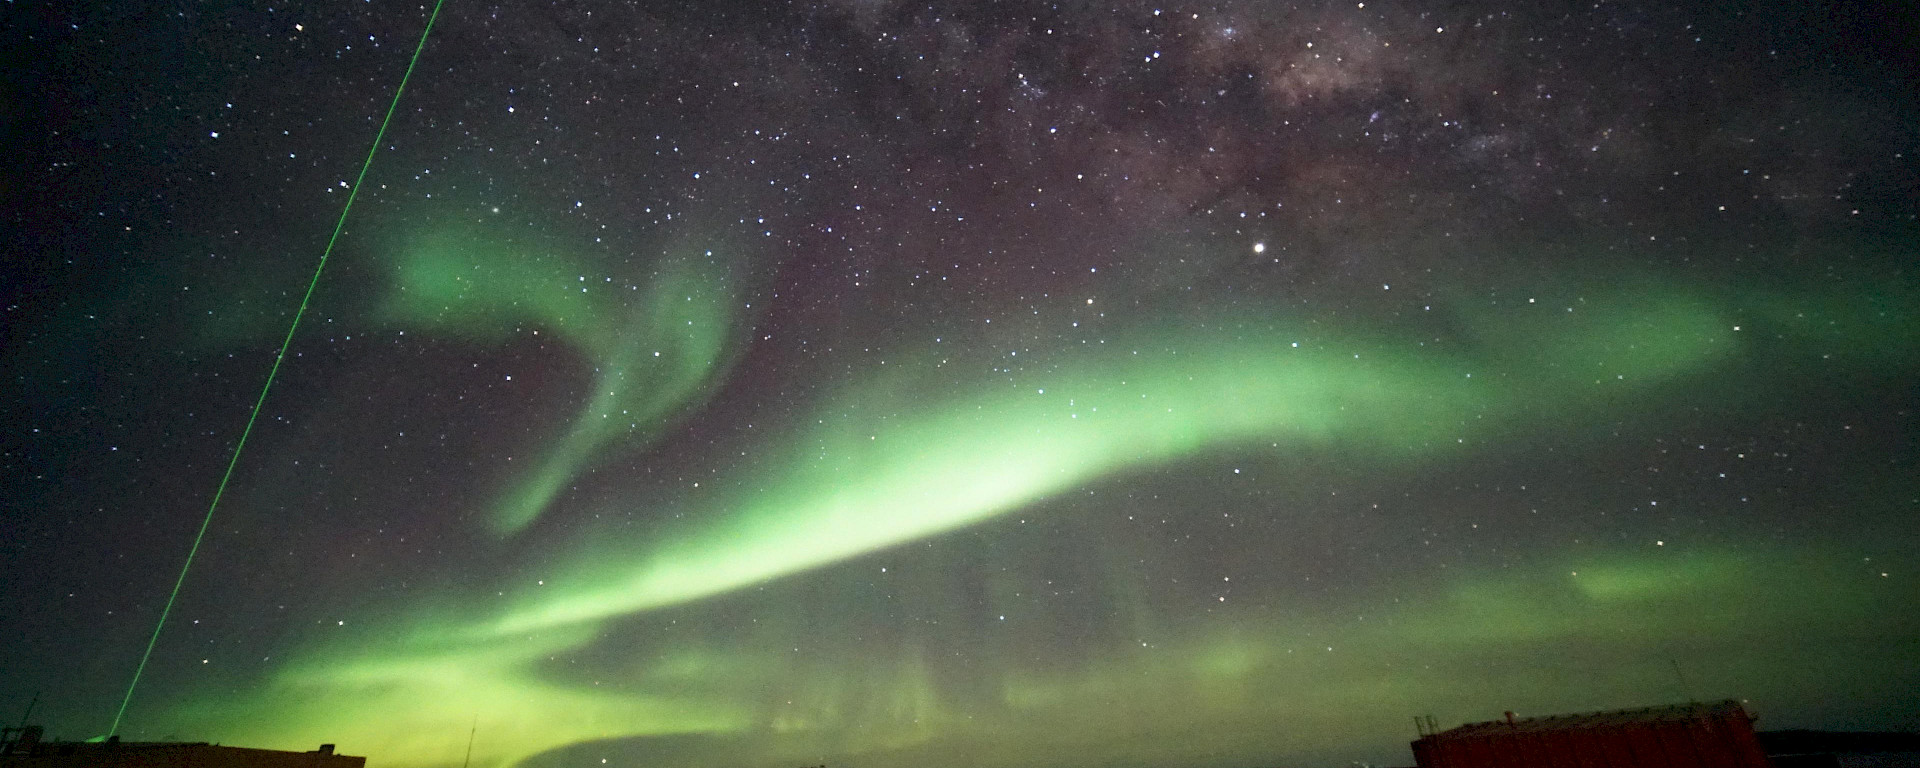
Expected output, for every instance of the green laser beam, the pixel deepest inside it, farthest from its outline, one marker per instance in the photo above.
(273, 372)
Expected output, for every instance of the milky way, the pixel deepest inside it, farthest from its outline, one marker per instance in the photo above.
(972, 384)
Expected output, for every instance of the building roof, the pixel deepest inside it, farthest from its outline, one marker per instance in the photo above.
(1674, 714)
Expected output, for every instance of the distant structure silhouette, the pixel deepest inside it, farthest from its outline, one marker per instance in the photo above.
(26, 747)
(1694, 735)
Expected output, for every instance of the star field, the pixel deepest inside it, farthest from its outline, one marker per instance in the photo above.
(868, 383)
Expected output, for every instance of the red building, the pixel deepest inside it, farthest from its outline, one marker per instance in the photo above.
(23, 748)
(1715, 735)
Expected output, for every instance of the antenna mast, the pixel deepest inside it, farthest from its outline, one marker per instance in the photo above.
(470, 735)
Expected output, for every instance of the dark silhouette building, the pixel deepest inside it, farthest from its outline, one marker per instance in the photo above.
(1712, 735)
(25, 748)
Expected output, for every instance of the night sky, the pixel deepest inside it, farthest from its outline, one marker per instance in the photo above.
(957, 384)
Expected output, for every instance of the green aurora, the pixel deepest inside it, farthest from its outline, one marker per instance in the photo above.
(653, 358)
(960, 384)
(917, 454)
